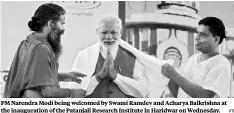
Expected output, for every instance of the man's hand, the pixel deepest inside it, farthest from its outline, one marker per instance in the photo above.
(77, 74)
(168, 71)
(71, 77)
(103, 72)
(77, 93)
(111, 71)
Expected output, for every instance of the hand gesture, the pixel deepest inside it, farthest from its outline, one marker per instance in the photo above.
(168, 71)
(71, 77)
(103, 72)
(111, 71)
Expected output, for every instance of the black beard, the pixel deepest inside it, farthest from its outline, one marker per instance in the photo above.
(54, 40)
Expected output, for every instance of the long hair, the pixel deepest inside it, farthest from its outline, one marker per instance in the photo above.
(43, 14)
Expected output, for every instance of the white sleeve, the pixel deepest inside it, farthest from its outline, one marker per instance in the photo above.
(92, 85)
(80, 65)
(136, 87)
(218, 81)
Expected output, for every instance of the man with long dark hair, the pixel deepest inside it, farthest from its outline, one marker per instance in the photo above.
(34, 70)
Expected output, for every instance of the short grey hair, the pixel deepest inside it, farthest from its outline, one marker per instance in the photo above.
(108, 18)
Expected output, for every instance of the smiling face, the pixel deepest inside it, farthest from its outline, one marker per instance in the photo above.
(205, 41)
(109, 32)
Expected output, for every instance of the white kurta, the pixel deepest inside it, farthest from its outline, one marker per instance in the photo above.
(149, 67)
(213, 74)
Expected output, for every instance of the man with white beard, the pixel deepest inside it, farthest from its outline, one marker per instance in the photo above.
(114, 68)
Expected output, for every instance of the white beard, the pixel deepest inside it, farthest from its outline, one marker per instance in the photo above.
(111, 48)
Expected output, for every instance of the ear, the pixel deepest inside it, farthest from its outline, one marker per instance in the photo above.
(121, 30)
(217, 39)
(50, 24)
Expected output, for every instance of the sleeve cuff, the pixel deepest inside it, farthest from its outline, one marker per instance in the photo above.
(118, 78)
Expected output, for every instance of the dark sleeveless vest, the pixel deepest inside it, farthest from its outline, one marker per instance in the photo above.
(123, 64)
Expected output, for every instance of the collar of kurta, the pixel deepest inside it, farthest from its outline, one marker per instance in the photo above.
(37, 37)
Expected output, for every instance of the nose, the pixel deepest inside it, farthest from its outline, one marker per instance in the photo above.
(197, 38)
(108, 36)
(63, 28)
